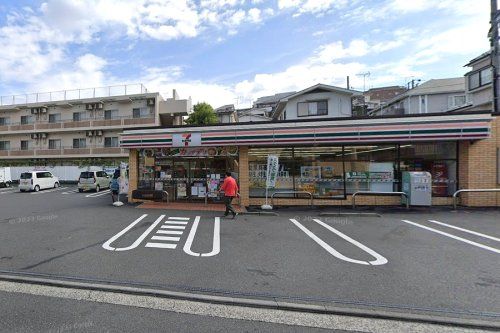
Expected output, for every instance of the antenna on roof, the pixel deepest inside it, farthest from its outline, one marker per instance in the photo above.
(364, 75)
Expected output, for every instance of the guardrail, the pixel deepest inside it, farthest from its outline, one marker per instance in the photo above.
(455, 195)
(379, 193)
(292, 192)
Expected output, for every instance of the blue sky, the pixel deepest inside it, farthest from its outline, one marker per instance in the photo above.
(232, 51)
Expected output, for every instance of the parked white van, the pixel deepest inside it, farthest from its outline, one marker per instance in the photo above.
(37, 180)
(5, 177)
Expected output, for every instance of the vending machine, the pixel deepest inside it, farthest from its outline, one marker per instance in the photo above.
(418, 187)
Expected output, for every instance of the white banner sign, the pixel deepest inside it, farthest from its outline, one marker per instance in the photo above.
(272, 171)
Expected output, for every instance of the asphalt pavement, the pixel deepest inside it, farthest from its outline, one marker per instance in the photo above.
(422, 261)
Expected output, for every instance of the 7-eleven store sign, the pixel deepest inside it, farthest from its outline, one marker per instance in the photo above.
(186, 140)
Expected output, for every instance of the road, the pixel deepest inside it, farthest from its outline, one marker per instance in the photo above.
(423, 261)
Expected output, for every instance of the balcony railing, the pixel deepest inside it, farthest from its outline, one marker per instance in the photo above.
(75, 94)
(18, 152)
(65, 124)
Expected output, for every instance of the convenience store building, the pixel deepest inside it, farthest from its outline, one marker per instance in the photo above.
(331, 158)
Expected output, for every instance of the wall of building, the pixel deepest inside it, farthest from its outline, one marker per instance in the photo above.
(339, 105)
(478, 168)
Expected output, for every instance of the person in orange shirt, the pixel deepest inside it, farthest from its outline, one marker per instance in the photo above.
(230, 189)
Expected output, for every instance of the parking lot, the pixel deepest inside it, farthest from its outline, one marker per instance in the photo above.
(434, 261)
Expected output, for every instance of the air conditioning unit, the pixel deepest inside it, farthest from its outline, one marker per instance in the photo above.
(99, 106)
(89, 106)
(43, 135)
(150, 102)
(34, 135)
(90, 133)
(43, 109)
(99, 133)
(34, 110)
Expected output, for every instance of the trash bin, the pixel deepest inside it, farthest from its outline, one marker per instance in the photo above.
(418, 187)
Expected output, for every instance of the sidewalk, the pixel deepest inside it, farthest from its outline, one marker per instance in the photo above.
(189, 206)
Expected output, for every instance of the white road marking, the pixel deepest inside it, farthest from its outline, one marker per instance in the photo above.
(97, 194)
(169, 232)
(492, 249)
(49, 191)
(161, 245)
(380, 260)
(465, 230)
(138, 241)
(8, 191)
(178, 218)
(165, 238)
(173, 227)
(70, 192)
(216, 239)
(175, 222)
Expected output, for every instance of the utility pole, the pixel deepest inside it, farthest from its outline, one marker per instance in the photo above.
(495, 61)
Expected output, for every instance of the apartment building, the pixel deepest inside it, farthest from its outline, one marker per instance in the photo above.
(82, 126)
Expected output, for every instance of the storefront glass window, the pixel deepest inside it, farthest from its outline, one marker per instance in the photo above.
(257, 170)
(440, 159)
(370, 168)
(319, 170)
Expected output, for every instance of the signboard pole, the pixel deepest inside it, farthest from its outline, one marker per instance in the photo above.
(271, 175)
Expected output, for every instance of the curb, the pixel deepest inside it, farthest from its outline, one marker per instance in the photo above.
(256, 303)
(260, 213)
(350, 214)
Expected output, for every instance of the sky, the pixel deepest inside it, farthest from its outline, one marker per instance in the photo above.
(233, 51)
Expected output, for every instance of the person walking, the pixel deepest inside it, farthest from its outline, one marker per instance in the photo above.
(230, 189)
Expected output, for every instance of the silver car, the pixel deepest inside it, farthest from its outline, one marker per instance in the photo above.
(93, 180)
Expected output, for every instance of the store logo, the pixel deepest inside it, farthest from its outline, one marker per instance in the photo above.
(186, 139)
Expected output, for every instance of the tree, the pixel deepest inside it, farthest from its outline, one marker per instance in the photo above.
(203, 114)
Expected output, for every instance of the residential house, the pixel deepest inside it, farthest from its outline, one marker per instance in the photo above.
(226, 114)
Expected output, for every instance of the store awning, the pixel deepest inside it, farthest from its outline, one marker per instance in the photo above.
(445, 127)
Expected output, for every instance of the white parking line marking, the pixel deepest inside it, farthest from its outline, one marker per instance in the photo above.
(492, 249)
(138, 241)
(165, 238)
(380, 260)
(97, 194)
(172, 227)
(8, 191)
(178, 218)
(161, 245)
(169, 232)
(465, 230)
(176, 222)
(215, 244)
(49, 191)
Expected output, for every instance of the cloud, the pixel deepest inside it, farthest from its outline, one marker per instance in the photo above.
(310, 6)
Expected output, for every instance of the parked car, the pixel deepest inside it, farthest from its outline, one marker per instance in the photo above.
(37, 180)
(5, 177)
(93, 180)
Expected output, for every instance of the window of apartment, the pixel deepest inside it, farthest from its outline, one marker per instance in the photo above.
(25, 120)
(110, 114)
(4, 145)
(4, 121)
(455, 101)
(480, 78)
(77, 116)
(317, 108)
(25, 145)
(79, 143)
(54, 144)
(140, 112)
(110, 142)
(54, 118)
